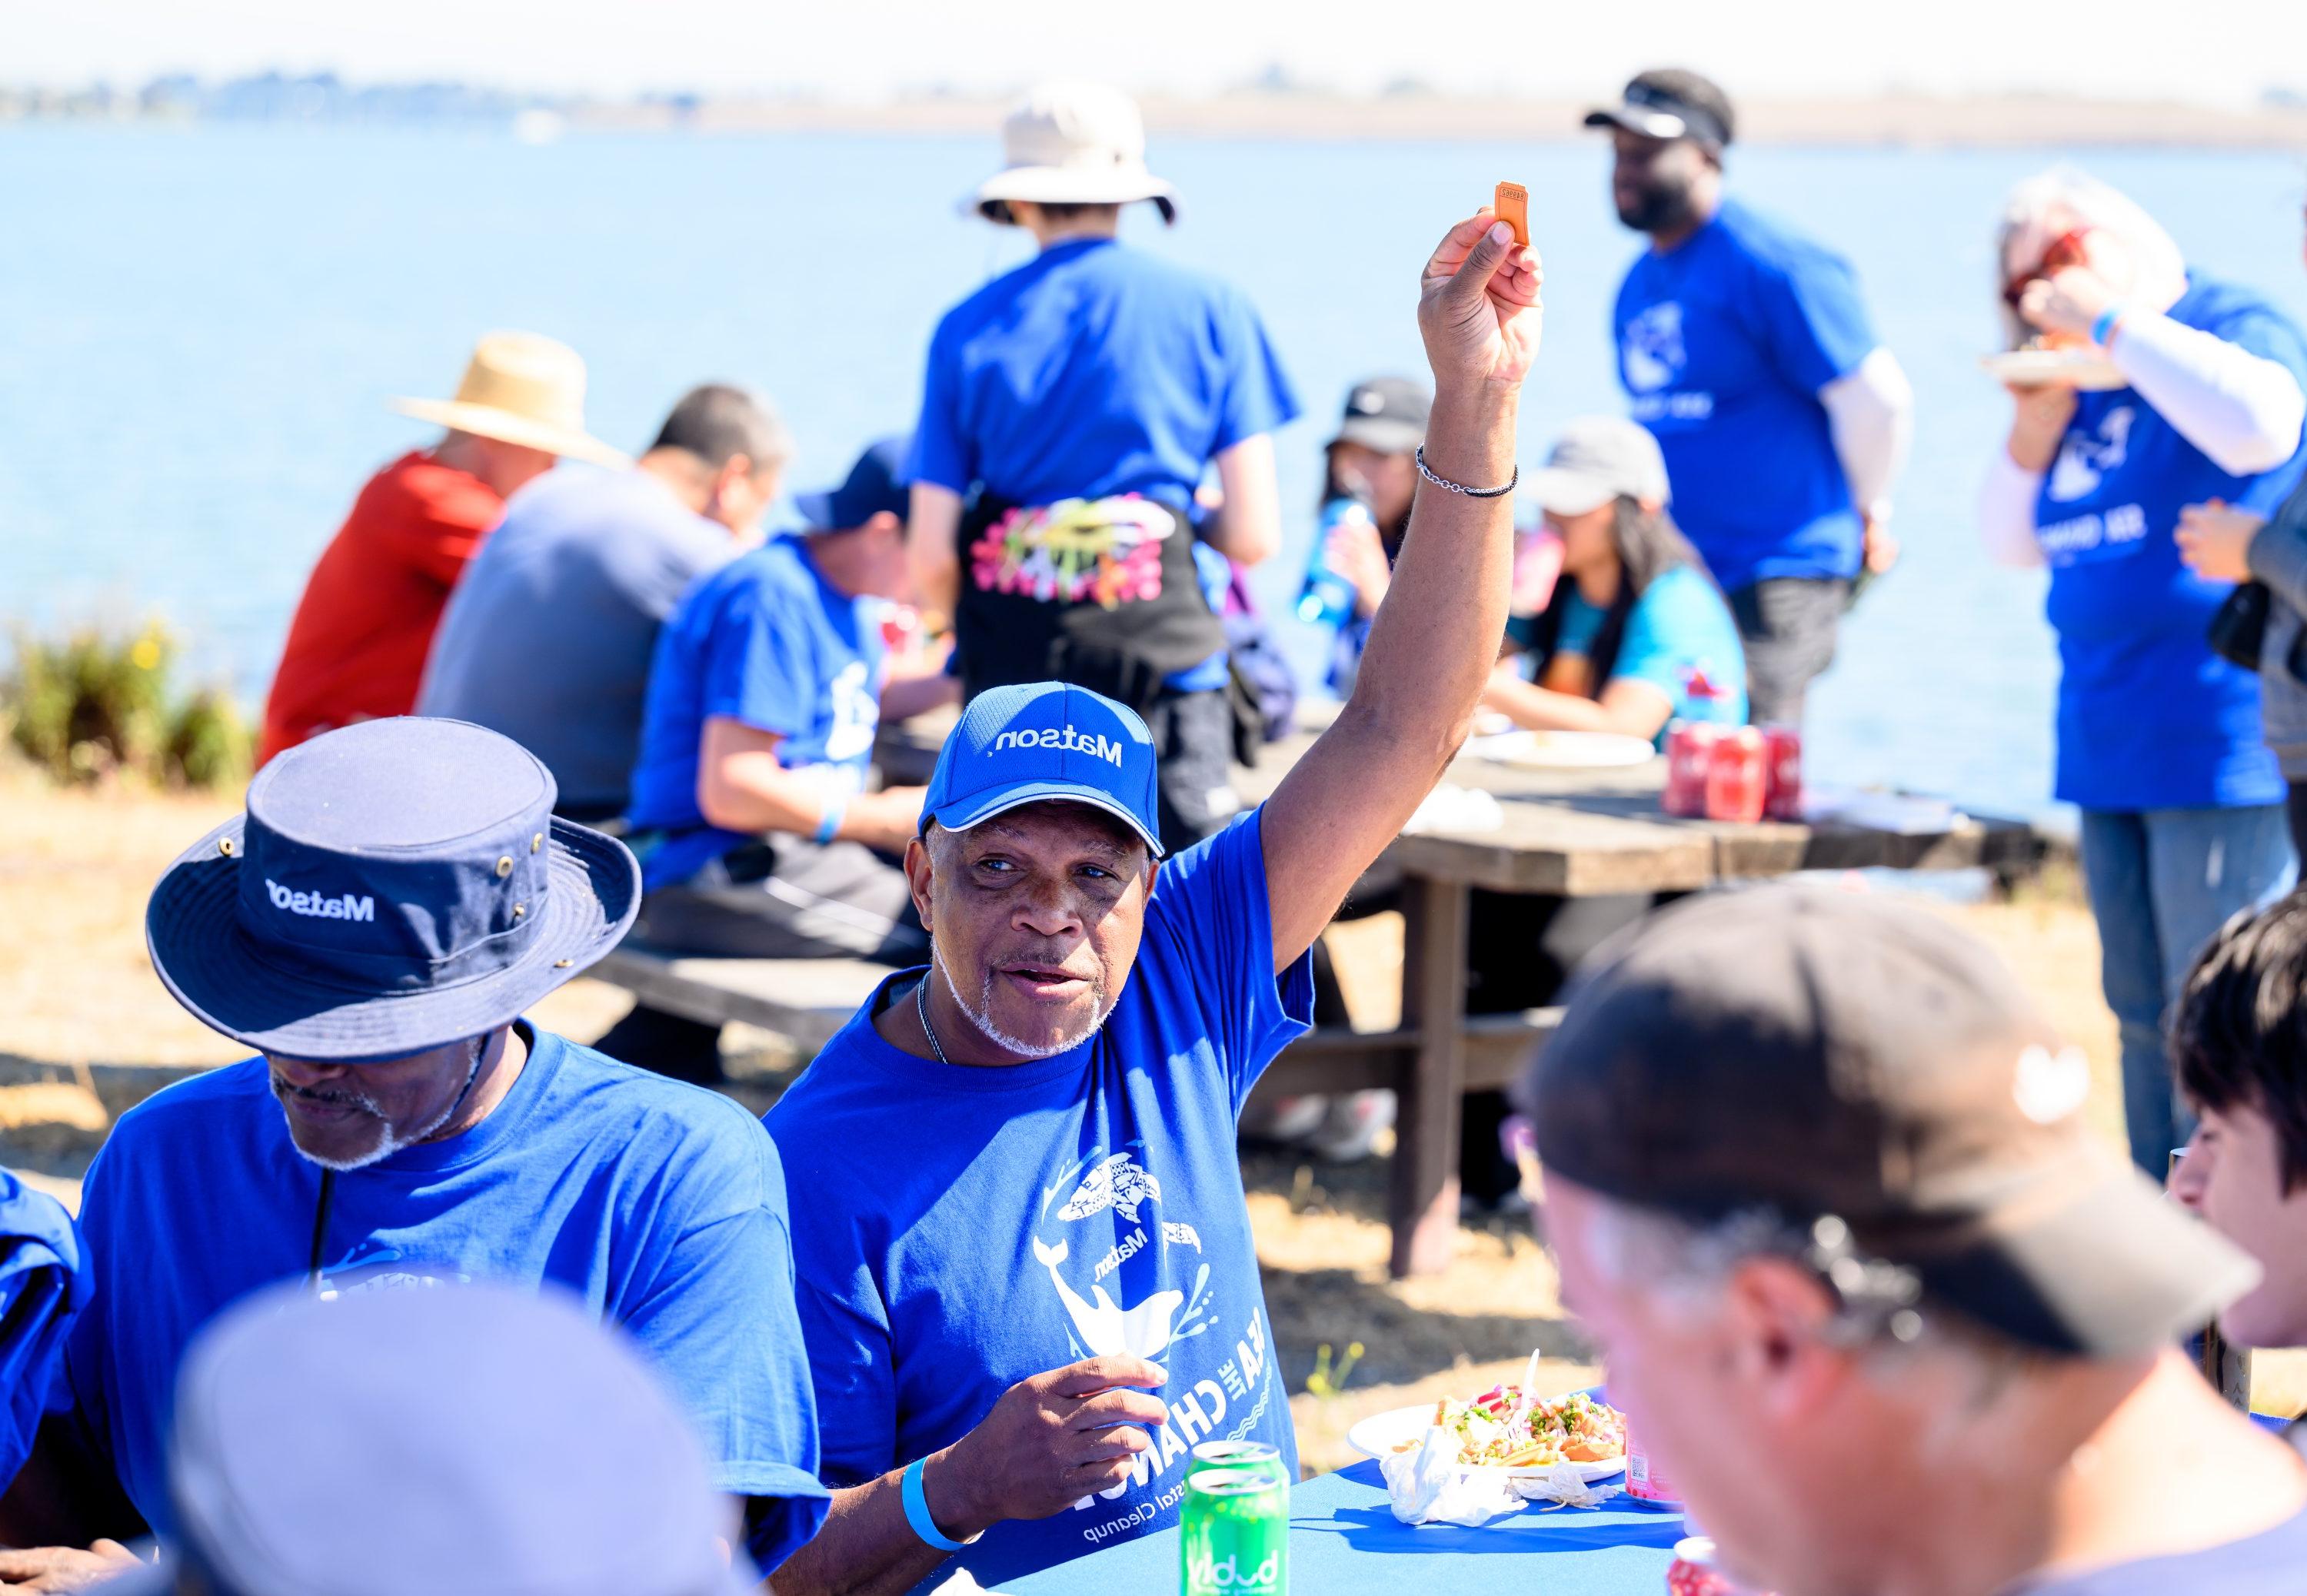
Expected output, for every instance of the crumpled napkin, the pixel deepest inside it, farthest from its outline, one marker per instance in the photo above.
(1560, 1484)
(1450, 808)
(1427, 1486)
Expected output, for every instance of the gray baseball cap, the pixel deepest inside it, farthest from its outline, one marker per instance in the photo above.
(1599, 458)
(1831, 1056)
(1385, 414)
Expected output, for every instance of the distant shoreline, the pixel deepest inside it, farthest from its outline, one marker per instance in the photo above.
(1902, 121)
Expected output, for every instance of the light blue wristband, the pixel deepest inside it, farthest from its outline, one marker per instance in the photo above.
(917, 1511)
(2103, 328)
(829, 825)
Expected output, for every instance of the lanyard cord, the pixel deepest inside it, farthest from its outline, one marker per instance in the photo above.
(320, 1224)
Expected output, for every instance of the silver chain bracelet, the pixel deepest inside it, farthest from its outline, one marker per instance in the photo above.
(1439, 480)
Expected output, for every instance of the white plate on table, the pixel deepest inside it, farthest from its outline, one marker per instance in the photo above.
(2087, 369)
(1381, 1435)
(1563, 750)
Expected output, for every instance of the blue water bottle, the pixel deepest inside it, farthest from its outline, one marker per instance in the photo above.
(1328, 599)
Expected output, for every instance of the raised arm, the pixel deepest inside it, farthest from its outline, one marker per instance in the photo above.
(1248, 528)
(1433, 641)
(932, 526)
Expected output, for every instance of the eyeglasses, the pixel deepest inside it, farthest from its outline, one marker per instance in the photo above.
(2064, 250)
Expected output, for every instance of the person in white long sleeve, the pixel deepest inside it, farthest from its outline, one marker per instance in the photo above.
(1746, 350)
(2158, 738)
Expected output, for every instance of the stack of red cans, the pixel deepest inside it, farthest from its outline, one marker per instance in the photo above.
(1715, 772)
(1785, 798)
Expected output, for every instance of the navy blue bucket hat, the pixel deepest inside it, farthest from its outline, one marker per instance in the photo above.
(395, 885)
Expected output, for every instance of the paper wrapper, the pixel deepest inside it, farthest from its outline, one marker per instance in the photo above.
(1428, 1487)
(1561, 1484)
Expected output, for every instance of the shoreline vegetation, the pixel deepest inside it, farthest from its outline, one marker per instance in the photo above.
(1895, 118)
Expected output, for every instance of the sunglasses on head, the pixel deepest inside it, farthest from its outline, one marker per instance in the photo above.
(2064, 250)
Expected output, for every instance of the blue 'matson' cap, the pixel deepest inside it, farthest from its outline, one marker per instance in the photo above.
(1042, 742)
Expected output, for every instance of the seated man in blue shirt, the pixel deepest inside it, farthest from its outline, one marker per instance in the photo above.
(1636, 633)
(1025, 1268)
(1069, 411)
(756, 837)
(548, 635)
(1748, 350)
(396, 894)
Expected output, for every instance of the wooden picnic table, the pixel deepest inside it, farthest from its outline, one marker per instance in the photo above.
(1565, 834)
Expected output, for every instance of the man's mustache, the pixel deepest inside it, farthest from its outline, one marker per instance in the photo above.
(283, 1091)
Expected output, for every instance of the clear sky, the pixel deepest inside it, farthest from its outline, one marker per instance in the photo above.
(2211, 51)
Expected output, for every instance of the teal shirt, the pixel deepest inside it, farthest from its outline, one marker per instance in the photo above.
(1680, 625)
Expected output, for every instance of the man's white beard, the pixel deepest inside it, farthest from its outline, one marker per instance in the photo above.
(981, 1017)
(389, 1142)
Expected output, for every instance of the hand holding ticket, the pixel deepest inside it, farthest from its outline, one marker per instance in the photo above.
(1512, 207)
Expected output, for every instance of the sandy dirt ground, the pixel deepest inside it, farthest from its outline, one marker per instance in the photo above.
(80, 1012)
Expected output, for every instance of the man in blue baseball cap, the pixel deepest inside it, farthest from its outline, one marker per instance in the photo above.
(756, 834)
(396, 894)
(1024, 1266)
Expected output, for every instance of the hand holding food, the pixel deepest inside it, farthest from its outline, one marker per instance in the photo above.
(2066, 303)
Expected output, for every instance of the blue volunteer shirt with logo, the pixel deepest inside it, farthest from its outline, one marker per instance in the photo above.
(2150, 718)
(768, 641)
(968, 1227)
(661, 1205)
(1723, 343)
(1093, 369)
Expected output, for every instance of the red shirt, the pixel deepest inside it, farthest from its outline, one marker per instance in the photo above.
(357, 647)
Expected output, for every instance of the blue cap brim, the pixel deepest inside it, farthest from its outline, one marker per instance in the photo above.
(816, 511)
(982, 807)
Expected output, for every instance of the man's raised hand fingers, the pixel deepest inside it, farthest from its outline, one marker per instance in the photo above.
(1118, 1406)
(1093, 1375)
(1490, 251)
(1457, 244)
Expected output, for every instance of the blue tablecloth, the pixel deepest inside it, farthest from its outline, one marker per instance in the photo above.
(1344, 1539)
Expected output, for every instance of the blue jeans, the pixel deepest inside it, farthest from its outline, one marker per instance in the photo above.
(2161, 883)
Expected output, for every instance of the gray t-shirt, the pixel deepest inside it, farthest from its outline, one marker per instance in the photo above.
(2263, 1564)
(548, 636)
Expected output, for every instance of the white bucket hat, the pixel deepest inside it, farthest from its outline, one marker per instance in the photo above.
(1072, 143)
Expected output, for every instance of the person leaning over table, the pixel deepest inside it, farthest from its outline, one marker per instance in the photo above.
(1069, 411)
(1636, 630)
(396, 895)
(2227, 543)
(2159, 740)
(1872, 1293)
(1025, 1264)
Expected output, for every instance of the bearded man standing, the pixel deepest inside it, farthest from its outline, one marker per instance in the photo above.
(1026, 1240)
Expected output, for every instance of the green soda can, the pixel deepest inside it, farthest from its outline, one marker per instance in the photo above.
(1236, 1533)
(1254, 1455)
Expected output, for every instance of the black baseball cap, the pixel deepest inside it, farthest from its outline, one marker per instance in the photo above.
(1385, 414)
(1671, 103)
(1826, 1055)
(875, 483)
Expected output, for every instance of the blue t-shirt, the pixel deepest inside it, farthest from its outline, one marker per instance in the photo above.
(1093, 370)
(2150, 718)
(1680, 625)
(1723, 343)
(548, 633)
(768, 641)
(967, 1228)
(661, 1205)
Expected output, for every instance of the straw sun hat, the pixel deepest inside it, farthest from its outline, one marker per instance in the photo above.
(520, 387)
(1072, 143)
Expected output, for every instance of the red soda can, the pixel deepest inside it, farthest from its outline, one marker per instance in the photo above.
(1737, 775)
(1687, 745)
(1785, 795)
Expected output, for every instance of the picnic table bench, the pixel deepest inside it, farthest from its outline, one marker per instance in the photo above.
(1565, 833)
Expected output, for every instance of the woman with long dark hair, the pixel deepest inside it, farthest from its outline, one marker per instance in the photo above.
(1635, 633)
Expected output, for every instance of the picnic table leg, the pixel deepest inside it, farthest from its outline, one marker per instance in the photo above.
(1423, 1202)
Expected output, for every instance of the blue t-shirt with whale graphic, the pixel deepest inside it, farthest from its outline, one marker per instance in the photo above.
(661, 1205)
(961, 1228)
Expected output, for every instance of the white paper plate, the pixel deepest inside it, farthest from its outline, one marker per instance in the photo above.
(2071, 368)
(1380, 1434)
(1563, 750)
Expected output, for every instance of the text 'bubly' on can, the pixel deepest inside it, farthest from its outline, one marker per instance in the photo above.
(1235, 1532)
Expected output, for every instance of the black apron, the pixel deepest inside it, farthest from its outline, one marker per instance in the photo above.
(1101, 593)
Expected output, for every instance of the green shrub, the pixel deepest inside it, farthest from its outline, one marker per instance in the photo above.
(96, 705)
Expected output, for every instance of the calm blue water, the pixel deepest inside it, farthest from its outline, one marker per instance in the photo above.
(202, 327)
